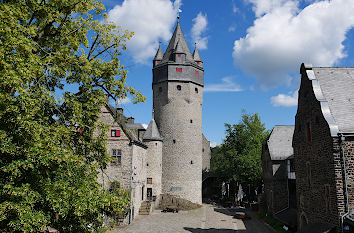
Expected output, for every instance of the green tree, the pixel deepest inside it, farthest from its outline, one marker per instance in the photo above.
(52, 148)
(238, 158)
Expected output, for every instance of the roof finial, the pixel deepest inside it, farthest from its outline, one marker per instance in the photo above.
(178, 11)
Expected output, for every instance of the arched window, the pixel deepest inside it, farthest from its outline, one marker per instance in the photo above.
(179, 87)
(196, 90)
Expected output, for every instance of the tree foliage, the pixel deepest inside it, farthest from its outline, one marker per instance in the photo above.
(238, 158)
(50, 150)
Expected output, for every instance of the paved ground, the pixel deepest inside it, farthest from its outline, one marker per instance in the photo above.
(208, 219)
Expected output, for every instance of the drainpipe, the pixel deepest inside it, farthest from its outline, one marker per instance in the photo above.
(342, 139)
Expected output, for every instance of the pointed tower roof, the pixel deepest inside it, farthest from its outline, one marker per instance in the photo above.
(152, 132)
(179, 48)
(196, 55)
(177, 37)
(159, 54)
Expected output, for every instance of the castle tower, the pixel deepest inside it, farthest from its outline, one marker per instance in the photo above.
(178, 80)
(153, 140)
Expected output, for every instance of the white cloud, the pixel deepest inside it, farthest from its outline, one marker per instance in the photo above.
(124, 101)
(285, 100)
(234, 7)
(214, 144)
(145, 126)
(200, 24)
(283, 36)
(226, 85)
(150, 20)
(232, 28)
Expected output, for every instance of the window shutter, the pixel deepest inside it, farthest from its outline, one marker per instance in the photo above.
(178, 69)
(196, 72)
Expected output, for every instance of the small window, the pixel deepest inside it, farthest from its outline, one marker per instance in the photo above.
(117, 155)
(196, 90)
(115, 133)
(196, 72)
(160, 89)
(198, 63)
(308, 131)
(308, 173)
(174, 141)
(191, 161)
(149, 180)
(203, 150)
(155, 143)
(157, 62)
(191, 121)
(327, 197)
(179, 55)
(178, 69)
(147, 164)
(179, 87)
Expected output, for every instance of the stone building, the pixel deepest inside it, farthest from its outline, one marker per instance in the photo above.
(278, 174)
(178, 80)
(125, 145)
(163, 163)
(324, 149)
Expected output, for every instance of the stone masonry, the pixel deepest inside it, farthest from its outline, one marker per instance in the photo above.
(318, 150)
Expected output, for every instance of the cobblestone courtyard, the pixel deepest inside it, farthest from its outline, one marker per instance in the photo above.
(208, 219)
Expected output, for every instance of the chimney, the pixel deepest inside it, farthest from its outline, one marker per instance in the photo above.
(120, 111)
(130, 120)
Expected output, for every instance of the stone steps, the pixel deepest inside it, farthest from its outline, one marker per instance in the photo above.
(145, 208)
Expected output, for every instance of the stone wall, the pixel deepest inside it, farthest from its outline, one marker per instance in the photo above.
(154, 167)
(168, 200)
(119, 172)
(275, 179)
(178, 115)
(138, 187)
(206, 154)
(314, 151)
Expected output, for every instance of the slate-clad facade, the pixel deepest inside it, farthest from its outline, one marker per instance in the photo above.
(323, 148)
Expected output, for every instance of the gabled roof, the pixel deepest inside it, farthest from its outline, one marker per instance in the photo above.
(280, 142)
(334, 89)
(177, 37)
(159, 54)
(128, 130)
(196, 55)
(152, 132)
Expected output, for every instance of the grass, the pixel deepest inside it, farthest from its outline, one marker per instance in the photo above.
(274, 223)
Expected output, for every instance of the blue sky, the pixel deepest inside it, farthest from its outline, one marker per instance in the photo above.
(252, 51)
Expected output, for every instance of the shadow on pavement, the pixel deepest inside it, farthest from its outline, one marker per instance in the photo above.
(210, 230)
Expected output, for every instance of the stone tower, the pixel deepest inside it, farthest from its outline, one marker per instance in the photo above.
(178, 80)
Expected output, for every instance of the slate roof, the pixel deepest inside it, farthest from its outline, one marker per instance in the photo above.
(129, 129)
(337, 87)
(177, 37)
(159, 54)
(280, 142)
(152, 132)
(196, 55)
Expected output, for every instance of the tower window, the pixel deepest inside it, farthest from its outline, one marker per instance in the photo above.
(179, 55)
(178, 69)
(196, 72)
(157, 62)
(198, 63)
(174, 141)
(191, 121)
(179, 87)
(196, 90)
(191, 161)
